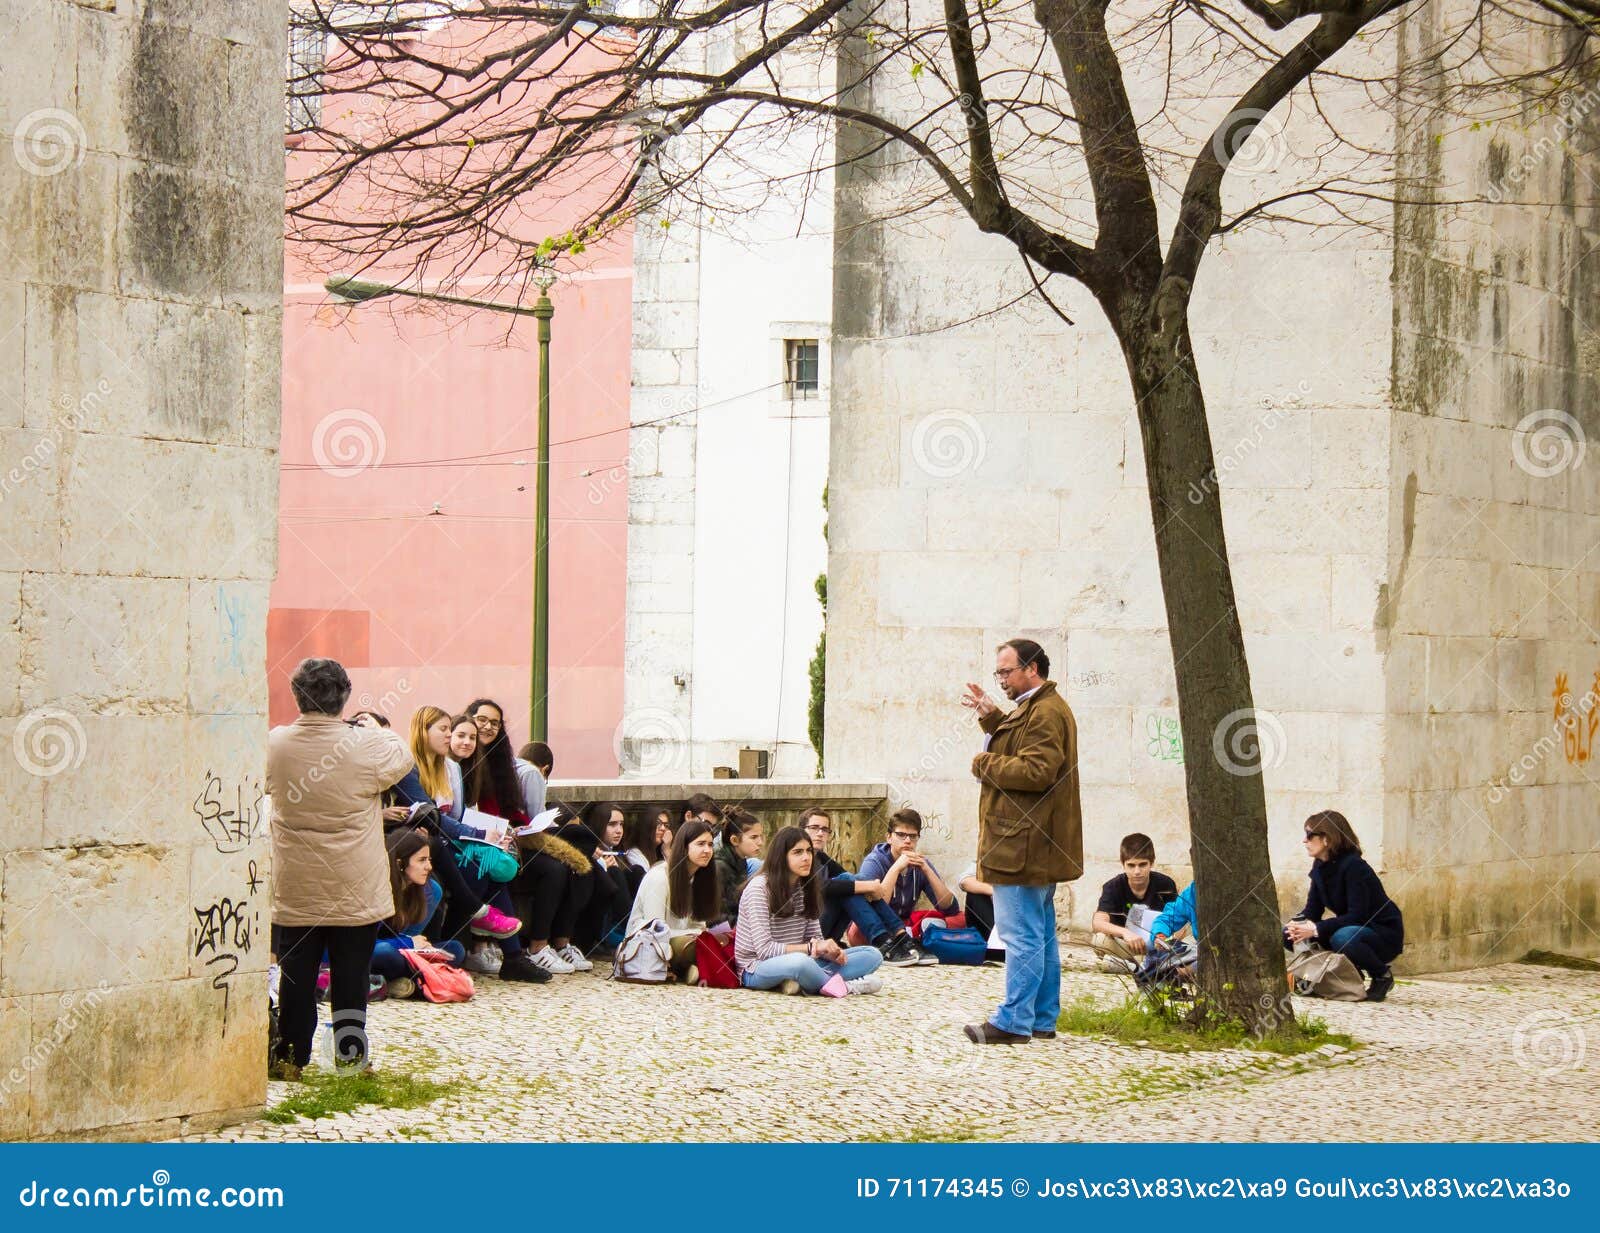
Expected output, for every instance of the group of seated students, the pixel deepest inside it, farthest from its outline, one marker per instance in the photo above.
(478, 884)
(1142, 913)
(527, 904)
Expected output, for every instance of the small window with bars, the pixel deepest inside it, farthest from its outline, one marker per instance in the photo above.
(800, 367)
(307, 48)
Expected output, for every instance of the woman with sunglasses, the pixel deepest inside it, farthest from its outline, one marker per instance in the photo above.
(1365, 925)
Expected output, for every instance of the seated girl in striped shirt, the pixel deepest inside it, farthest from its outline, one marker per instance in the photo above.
(779, 942)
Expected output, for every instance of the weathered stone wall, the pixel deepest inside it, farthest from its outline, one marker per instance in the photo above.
(139, 378)
(1492, 603)
(987, 480)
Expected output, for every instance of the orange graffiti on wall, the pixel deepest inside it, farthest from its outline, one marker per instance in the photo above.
(1577, 722)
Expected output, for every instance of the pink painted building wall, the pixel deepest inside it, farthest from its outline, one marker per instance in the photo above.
(407, 490)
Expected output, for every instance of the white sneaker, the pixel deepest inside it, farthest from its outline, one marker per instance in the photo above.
(551, 962)
(870, 983)
(574, 956)
(481, 961)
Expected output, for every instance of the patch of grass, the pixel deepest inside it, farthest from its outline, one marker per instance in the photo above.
(1160, 1025)
(1549, 959)
(321, 1094)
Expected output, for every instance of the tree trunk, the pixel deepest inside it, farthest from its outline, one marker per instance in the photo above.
(1241, 972)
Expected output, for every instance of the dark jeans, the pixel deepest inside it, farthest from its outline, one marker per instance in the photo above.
(607, 900)
(545, 885)
(1364, 947)
(460, 903)
(875, 918)
(300, 949)
(457, 923)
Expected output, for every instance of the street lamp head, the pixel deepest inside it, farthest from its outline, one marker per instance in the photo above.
(355, 290)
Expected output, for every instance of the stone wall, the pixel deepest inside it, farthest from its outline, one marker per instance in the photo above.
(139, 377)
(1363, 384)
(1490, 611)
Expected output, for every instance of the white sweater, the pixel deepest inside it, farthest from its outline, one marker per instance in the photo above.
(651, 903)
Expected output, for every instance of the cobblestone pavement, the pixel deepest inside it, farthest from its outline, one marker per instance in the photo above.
(1509, 1052)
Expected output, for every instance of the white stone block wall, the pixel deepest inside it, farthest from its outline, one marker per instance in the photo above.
(1492, 600)
(139, 328)
(987, 481)
(1410, 594)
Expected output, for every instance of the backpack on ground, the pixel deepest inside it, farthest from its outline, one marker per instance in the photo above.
(1318, 973)
(1164, 967)
(439, 982)
(714, 957)
(645, 956)
(964, 945)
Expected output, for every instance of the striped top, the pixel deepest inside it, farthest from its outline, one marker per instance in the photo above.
(760, 934)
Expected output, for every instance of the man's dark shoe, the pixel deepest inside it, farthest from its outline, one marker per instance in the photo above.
(520, 967)
(1044, 1034)
(1380, 986)
(986, 1033)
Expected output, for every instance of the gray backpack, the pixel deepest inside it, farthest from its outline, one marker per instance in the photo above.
(1318, 973)
(644, 958)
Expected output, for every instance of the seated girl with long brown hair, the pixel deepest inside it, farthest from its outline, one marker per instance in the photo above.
(683, 893)
(416, 899)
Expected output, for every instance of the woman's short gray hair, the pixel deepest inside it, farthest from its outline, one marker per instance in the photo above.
(321, 686)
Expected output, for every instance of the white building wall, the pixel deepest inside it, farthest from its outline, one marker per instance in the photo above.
(725, 599)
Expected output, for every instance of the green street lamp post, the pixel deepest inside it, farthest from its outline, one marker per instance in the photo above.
(359, 291)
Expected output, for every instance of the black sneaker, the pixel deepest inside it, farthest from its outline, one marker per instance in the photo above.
(898, 951)
(520, 967)
(1380, 986)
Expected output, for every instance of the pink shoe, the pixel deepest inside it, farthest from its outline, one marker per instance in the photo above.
(835, 988)
(493, 923)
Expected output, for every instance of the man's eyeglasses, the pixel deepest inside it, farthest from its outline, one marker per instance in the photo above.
(908, 836)
(1003, 673)
(814, 829)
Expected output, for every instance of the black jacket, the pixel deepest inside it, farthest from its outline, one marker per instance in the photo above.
(1349, 888)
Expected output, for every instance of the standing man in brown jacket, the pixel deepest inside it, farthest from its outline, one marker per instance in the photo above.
(1030, 834)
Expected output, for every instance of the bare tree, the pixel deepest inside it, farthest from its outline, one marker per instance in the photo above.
(1097, 143)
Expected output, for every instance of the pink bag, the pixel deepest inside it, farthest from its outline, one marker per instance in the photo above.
(439, 982)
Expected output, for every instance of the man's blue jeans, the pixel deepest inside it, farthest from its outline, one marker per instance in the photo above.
(875, 918)
(811, 973)
(1025, 917)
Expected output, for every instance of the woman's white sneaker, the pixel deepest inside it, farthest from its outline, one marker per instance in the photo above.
(870, 983)
(551, 962)
(574, 956)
